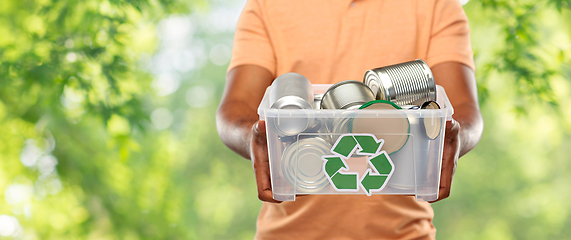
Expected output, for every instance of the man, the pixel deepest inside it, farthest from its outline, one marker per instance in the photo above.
(329, 41)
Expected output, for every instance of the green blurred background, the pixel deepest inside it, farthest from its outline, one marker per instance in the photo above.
(107, 124)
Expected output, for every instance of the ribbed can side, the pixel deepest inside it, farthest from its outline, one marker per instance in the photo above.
(409, 83)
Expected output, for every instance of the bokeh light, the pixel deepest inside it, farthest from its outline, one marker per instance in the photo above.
(9, 226)
(162, 118)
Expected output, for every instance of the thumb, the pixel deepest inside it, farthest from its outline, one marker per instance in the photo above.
(450, 124)
(260, 127)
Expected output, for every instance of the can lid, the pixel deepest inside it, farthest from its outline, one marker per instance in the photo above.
(395, 131)
(432, 125)
(430, 105)
(302, 164)
(291, 102)
(348, 94)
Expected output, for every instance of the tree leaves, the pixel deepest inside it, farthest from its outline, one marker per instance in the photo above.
(523, 43)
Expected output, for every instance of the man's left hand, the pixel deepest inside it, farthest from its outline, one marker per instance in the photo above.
(450, 157)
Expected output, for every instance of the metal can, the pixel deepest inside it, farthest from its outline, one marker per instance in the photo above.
(393, 130)
(410, 107)
(411, 159)
(302, 165)
(308, 133)
(432, 125)
(291, 91)
(408, 83)
(348, 94)
(317, 101)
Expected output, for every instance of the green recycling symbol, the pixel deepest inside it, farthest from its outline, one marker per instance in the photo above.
(374, 179)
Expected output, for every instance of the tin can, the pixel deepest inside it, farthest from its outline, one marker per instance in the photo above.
(291, 91)
(302, 165)
(394, 130)
(338, 127)
(410, 107)
(408, 83)
(317, 128)
(348, 94)
(432, 125)
(408, 165)
(317, 101)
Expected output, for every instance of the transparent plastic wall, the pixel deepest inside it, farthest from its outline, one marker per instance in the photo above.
(298, 162)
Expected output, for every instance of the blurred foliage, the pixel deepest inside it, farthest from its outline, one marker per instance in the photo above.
(80, 156)
(513, 185)
(105, 133)
(527, 54)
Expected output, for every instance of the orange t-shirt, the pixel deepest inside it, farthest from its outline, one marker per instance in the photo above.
(329, 41)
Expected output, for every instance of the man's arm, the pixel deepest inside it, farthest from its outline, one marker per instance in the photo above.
(465, 130)
(238, 125)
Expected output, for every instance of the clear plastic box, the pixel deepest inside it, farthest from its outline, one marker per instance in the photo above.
(341, 151)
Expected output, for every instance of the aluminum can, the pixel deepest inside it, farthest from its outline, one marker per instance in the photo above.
(302, 165)
(410, 107)
(408, 83)
(317, 101)
(317, 128)
(291, 91)
(347, 95)
(432, 125)
(394, 130)
(407, 162)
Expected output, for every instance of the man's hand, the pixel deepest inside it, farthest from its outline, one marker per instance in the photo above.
(238, 125)
(260, 161)
(464, 131)
(449, 158)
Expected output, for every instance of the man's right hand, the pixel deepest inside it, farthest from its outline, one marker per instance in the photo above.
(238, 125)
(260, 161)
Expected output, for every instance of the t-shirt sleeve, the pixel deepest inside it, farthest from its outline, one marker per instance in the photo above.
(252, 43)
(450, 35)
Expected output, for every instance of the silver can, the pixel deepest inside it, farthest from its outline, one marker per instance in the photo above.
(347, 95)
(408, 83)
(291, 91)
(394, 130)
(317, 101)
(432, 125)
(302, 165)
(410, 107)
(411, 159)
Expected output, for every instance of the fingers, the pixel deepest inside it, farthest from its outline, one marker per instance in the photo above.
(452, 125)
(261, 162)
(449, 159)
(446, 179)
(260, 127)
(263, 182)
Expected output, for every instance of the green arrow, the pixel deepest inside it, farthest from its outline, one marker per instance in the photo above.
(381, 163)
(345, 181)
(368, 143)
(333, 165)
(372, 182)
(345, 145)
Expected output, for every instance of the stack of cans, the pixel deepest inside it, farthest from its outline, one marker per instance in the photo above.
(408, 86)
